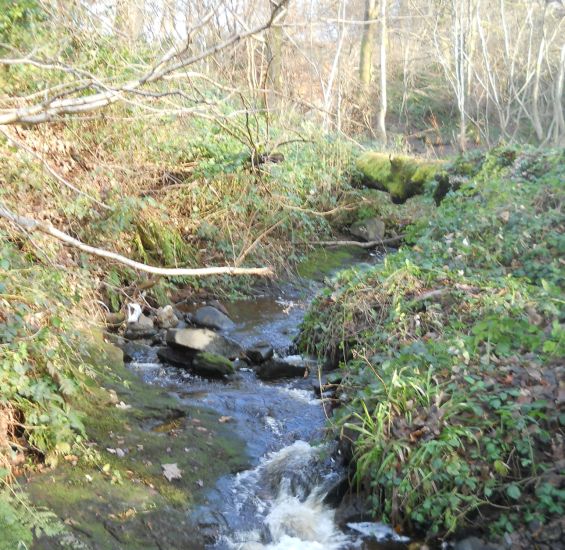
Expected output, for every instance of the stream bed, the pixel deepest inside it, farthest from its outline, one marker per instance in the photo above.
(278, 502)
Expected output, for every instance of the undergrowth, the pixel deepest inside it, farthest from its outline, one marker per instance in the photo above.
(452, 352)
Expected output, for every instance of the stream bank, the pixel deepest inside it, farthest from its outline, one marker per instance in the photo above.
(253, 465)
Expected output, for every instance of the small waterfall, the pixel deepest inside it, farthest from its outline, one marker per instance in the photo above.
(286, 492)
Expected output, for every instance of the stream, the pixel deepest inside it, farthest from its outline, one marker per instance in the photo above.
(279, 501)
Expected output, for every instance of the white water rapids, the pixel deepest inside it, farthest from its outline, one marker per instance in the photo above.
(294, 516)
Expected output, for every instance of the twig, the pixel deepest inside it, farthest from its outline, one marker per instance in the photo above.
(256, 242)
(169, 63)
(34, 225)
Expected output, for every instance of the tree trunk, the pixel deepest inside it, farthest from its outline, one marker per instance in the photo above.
(536, 119)
(274, 49)
(129, 20)
(381, 125)
(368, 43)
(460, 63)
(558, 102)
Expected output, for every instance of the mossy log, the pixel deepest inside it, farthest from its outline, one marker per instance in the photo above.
(401, 176)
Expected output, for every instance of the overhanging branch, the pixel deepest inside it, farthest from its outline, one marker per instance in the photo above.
(172, 61)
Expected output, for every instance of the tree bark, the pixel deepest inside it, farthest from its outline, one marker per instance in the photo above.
(558, 102)
(274, 51)
(130, 19)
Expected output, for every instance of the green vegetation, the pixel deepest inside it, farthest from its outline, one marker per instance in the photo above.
(452, 352)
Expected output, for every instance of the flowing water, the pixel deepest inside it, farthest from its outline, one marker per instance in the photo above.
(278, 503)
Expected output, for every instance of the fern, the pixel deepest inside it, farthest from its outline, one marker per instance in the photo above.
(21, 522)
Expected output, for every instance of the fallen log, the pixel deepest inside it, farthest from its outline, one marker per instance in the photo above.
(370, 244)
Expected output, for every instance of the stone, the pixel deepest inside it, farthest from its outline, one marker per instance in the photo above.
(259, 353)
(142, 328)
(207, 365)
(177, 357)
(134, 351)
(114, 320)
(370, 229)
(160, 338)
(472, 543)
(212, 365)
(166, 318)
(219, 306)
(210, 317)
(402, 176)
(351, 509)
(276, 368)
(203, 339)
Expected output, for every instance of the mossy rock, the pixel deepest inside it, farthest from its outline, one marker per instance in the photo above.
(402, 176)
(212, 364)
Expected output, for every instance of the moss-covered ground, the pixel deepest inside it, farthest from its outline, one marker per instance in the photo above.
(114, 493)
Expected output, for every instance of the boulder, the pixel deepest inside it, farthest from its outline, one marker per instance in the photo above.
(142, 328)
(370, 229)
(259, 353)
(219, 306)
(134, 351)
(210, 317)
(208, 365)
(203, 339)
(352, 508)
(473, 543)
(114, 320)
(177, 357)
(276, 368)
(212, 365)
(166, 318)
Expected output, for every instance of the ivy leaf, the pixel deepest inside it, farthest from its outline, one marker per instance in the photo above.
(513, 491)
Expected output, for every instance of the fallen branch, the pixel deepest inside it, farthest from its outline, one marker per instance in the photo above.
(370, 244)
(33, 225)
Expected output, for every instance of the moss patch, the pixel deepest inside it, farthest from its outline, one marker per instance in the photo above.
(402, 176)
(323, 262)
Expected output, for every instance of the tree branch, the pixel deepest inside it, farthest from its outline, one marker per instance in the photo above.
(51, 109)
(33, 225)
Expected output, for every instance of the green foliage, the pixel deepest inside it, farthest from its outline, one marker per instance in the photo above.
(16, 17)
(40, 364)
(20, 521)
(451, 350)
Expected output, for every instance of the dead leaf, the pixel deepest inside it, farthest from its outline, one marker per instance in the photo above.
(127, 514)
(171, 471)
